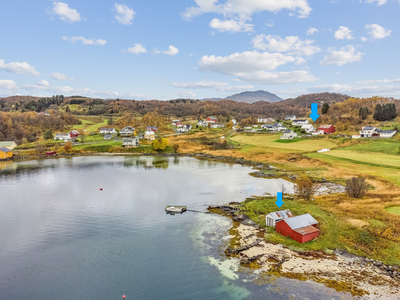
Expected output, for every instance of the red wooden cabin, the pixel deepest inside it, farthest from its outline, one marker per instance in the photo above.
(301, 228)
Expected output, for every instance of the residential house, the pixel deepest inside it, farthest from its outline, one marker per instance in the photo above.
(308, 128)
(369, 131)
(8, 144)
(108, 136)
(174, 122)
(179, 124)
(217, 125)
(131, 141)
(301, 228)
(265, 120)
(152, 128)
(211, 120)
(267, 127)
(5, 153)
(288, 135)
(149, 135)
(107, 130)
(277, 216)
(248, 128)
(186, 128)
(128, 130)
(234, 122)
(278, 127)
(299, 122)
(74, 134)
(326, 129)
(62, 137)
(290, 118)
(387, 133)
(201, 123)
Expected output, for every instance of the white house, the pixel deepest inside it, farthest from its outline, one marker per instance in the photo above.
(108, 136)
(264, 120)
(278, 127)
(128, 130)
(308, 128)
(63, 137)
(108, 130)
(387, 133)
(201, 123)
(131, 142)
(8, 144)
(149, 135)
(299, 122)
(276, 216)
(217, 125)
(288, 135)
(369, 131)
(234, 122)
(290, 117)
(266, 126)
(174, 122)
(186, 128)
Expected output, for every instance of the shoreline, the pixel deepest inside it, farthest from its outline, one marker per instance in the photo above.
(339, 270)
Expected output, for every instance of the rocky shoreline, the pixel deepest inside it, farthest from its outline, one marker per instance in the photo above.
(344, 272)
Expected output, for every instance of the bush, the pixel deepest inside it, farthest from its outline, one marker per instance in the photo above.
(160, 144)
(305, 188)
(176, 148)
(68, 146)
(48, 134)
(220, 145)
(356, 187)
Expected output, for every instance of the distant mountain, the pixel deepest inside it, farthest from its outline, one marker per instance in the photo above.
(306, 100)
(251, 97)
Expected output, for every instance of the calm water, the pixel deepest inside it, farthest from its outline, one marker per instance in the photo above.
(63, 238)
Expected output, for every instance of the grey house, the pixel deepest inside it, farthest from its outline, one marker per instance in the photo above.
(128, 130)
(130, 142)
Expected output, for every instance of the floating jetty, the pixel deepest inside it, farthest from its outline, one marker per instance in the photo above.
(175, 208)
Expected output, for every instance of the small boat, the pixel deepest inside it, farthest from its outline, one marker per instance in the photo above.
(175, 209)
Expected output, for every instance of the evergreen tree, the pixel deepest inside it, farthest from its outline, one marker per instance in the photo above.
(378, 112)
(325, 108)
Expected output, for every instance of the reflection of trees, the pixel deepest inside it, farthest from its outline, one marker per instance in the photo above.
(160, 162)
(176, 160)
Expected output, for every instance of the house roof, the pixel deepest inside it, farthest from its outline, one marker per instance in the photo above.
(5, 150)
(325, 126)
(6, 143)
(212, 118)
(388, 131)
(128, 128)
(369, 128)
(283, 214)
(306, 230)
(287, 131)
(277, 124)
(299, 120)
(301, 221)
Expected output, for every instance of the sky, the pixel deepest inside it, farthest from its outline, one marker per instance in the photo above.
(157, 49)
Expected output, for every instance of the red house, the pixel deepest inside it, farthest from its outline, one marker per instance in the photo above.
(74, 133)
(211, 120)
(301, 228)
(327, 129)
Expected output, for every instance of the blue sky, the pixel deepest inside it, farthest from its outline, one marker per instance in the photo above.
(151, 49)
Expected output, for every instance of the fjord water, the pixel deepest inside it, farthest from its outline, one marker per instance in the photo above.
(63, 238)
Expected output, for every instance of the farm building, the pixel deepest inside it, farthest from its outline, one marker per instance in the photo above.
(301, 228)
(308, 128)
(211, 120)
(8, 144)
(277, 216)
(62, 136)
(74, 133)
(217, 125)
(326, 129)
(201, 123)
(387, 133)
(5, 153)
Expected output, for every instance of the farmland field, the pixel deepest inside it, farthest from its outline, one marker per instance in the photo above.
(382, 146)
(89, 126)
(269, 141)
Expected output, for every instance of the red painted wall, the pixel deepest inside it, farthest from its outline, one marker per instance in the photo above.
(328, 130)
(282, 228)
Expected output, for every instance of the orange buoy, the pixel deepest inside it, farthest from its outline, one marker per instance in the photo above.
(123, 297)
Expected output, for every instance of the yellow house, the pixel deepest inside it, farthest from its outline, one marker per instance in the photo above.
(5, 153)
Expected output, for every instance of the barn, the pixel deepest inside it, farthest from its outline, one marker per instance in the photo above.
(276, 216)
(211, 120)
(326, 129)
(301, 228)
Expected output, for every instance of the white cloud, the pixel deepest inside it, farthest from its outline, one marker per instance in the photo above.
(85, 41)
(379, 2)
(186, 94)
(359, 91)
(291, 44)
(312, 30)
(8, 84)
(137, 49)
(364, 39)
(248, 61)
(263, 77)
(217, 85)
(246, 8)
(377, 31)
(171, 51)
(18, 68)
(346, 55)
(60, 76)
(124, 14)
(231, 25)
(270, 23)
(64, 12)
(379, 81)
(43, 83)
(343, 33)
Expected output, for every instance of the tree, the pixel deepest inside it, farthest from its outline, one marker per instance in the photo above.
(48, 134)
(56, 147)
(230, 124)
(356, 187)
(176, 148)
(67, 109)
(160, 144)
(325, 108)
(363, 113)
(68, 146)
(110, 121)
(306, 188)
(24, 141)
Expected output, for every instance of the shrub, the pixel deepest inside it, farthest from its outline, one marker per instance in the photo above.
(356, 187)
(305, 188)
(68, 146)
(176, 148)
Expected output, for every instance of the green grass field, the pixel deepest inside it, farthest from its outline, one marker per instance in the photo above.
(99, 147)
(90, 126)
(269, 141)
(393, 209)
(382, 146)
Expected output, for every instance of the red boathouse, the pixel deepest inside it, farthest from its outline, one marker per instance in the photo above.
(301, 228)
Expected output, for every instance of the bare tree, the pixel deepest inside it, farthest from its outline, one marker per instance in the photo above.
(282, 188)
(306, 188)
(356, 187)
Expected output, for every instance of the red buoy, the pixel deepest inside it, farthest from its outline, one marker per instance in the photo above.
(101, 189)
(123, 297)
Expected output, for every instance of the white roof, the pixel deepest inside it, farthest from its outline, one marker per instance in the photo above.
(301, 221)
(279, 215)
(149, 132)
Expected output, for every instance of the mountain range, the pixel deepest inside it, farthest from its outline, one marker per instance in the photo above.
(250, 97)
